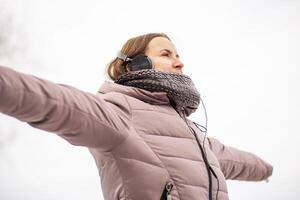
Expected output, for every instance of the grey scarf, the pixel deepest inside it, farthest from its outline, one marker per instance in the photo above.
(180, 88)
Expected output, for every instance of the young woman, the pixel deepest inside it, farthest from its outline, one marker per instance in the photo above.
(136, 127)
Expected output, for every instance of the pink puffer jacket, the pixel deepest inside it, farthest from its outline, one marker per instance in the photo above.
(143, 148)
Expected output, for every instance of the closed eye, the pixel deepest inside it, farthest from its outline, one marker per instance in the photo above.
(165, 54)
(168, 53)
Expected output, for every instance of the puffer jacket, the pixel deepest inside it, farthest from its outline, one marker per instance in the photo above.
(143, 148)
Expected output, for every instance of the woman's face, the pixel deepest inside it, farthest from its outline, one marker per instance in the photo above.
(163, 55)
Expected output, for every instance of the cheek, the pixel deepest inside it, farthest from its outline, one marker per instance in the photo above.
(162, 64)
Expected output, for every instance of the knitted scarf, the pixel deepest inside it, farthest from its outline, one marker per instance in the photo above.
(180, 89)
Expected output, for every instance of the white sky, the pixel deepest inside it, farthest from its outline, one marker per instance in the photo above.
(242, 55)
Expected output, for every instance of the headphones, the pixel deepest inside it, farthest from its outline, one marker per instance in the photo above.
(138, 62)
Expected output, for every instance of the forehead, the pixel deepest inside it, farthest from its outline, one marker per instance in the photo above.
(159, 43)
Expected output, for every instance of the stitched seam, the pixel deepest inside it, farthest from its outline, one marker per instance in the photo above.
(201, 186)
(141, 161)
(59, 103)
(189, 159)
(52, 99)
(159, 160)
(137, 109)
(144, 133)
(125, 138)
(126, 192)
(121, 175)
(241, 163)
(131, 110)
(94, 118)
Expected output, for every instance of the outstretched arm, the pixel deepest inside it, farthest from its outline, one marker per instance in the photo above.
(79, 117)
(240, 165)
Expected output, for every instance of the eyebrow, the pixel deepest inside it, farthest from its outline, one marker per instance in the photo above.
(169, 51)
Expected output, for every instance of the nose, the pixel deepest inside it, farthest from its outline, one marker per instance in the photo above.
(178, 65)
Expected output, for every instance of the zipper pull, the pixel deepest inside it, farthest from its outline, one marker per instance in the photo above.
(169, 187)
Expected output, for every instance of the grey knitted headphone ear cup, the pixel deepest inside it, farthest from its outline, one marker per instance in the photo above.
(140, 62)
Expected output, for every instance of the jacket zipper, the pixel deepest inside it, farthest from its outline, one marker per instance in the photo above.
(166, 195)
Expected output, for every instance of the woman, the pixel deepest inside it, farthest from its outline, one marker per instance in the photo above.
(136, 127)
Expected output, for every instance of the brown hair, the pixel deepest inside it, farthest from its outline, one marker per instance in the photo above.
(131, 48)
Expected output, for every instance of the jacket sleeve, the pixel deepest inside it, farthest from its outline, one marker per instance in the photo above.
(240, 165)
(81, 118)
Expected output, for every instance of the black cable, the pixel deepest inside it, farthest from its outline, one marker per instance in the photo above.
(203, 151)
(204, 159)
(206, 165)
(210, 168)
(203, 144)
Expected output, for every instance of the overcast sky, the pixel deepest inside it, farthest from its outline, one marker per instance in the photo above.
(243, 56)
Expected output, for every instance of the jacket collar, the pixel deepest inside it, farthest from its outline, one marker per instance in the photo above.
(157, 98)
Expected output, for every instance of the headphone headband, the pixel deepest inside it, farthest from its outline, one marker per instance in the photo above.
(123, 56)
